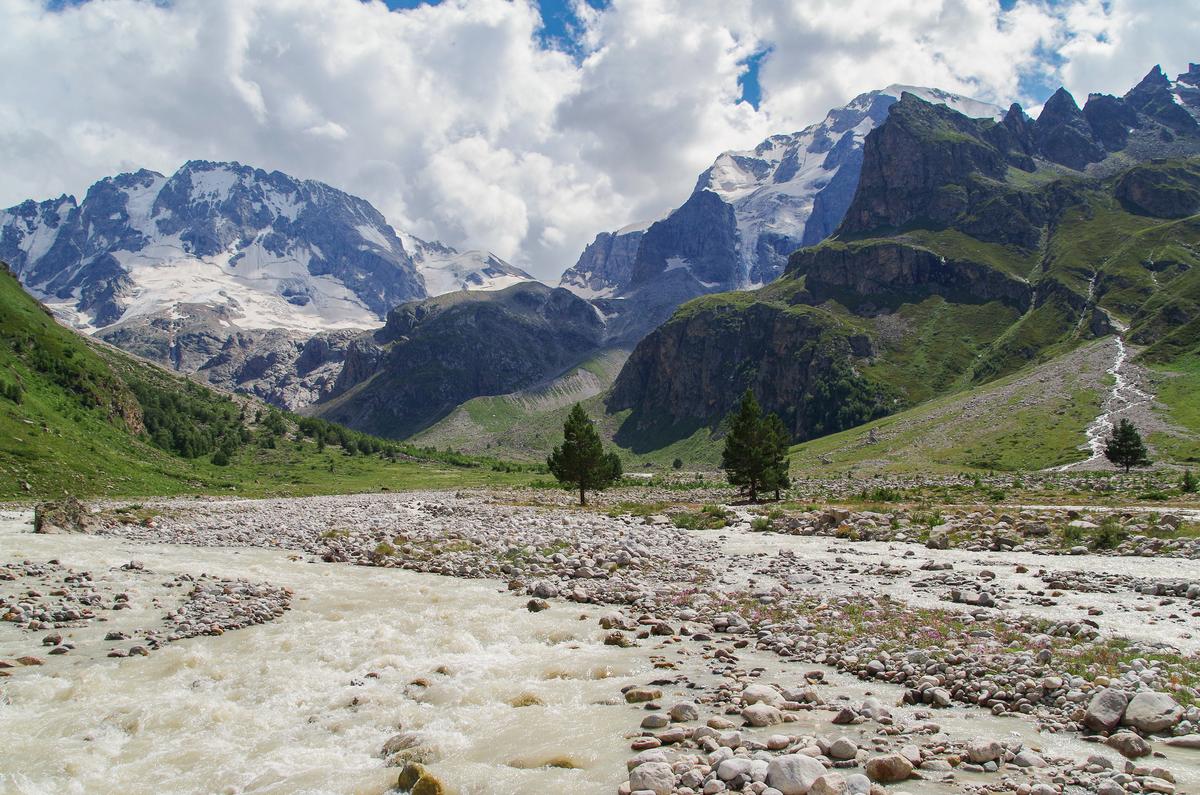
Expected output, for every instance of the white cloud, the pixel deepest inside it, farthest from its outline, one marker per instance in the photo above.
(458, 124)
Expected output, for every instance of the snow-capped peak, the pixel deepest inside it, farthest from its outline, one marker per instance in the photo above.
(263, 249)
(446, 270)
(790, 190)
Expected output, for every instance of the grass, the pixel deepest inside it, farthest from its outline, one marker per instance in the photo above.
(710, 517)
(998, 426)
(1179, 391)
(1110, 657)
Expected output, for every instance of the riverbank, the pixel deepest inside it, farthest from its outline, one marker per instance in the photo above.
(868, 641)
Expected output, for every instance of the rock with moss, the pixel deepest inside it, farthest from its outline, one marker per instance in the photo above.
(65, 516)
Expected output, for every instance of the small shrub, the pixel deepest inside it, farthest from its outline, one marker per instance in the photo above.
(1189, 483)
(762, 524)
(220, 458)
(881, 494)
(13, 392)
(678, 464)
(710, 517)
(1108, 535)
(1071, 535)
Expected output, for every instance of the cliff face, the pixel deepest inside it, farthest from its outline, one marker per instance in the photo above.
(880, 274)
(435, 354)
(1163, 190)
(695, 368)
(911, 159)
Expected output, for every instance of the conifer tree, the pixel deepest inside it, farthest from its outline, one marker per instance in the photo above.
(580, 461)
(777, 441)
(1125, 448)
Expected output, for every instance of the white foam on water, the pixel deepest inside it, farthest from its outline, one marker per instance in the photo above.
(287, 707)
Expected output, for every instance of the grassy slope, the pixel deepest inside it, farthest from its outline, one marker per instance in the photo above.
(1179, 394)
(1030, 420)
(74, 429)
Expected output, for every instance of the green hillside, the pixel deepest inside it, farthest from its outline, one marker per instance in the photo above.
(80, 418)
(1031, 420)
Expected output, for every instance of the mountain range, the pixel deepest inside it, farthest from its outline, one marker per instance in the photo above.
(229, 271)
(751, 209)
(912, 244)
(972, 248)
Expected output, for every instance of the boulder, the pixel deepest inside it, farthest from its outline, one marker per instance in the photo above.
(1105, 709)
(981, 750)
(1128, 744)
(656, 777)
(843, 748)
(1150, 711)
(638, 695)
(889, 768)
(762, 715)
(830, 784)
(762, 694)
(794, 774)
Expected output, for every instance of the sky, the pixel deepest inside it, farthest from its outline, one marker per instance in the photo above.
(515, 126)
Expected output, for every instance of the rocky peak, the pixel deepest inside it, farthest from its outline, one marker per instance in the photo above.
(908, 159)
(1155, 97)
(788, 191)
(1155, 80)
(1063, 135)
(1111, 119)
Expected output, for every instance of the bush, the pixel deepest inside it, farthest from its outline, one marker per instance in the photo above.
(1071, 535)
(710, 517)
(220, 458)
(881, 494)
(762, 524)
(1109, 534)
(1189, 483)
(13, 392)
(678, 464)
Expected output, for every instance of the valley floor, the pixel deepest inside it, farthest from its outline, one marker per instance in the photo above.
(505, 641)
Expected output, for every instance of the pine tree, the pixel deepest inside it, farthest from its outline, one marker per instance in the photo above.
(776, 440)
(743, 458)
(580, 461)
(1125, 448)
(1189, 483)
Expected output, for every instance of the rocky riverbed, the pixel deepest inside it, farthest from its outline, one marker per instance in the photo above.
(786, 660)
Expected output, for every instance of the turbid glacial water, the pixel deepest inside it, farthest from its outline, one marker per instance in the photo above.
(304, 704)
(291, 706)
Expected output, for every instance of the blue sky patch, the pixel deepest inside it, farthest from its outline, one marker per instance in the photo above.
(748, 79)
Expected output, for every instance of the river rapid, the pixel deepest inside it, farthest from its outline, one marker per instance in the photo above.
(303, 704)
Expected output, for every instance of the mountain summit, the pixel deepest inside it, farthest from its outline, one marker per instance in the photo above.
(751, 208)
(229, 271)
(260, 249)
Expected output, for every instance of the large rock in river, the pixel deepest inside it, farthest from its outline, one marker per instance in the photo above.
(1149, 711)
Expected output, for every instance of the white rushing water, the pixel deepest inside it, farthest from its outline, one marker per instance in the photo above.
(1124, 395)
(303, 704)
(288, 707)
